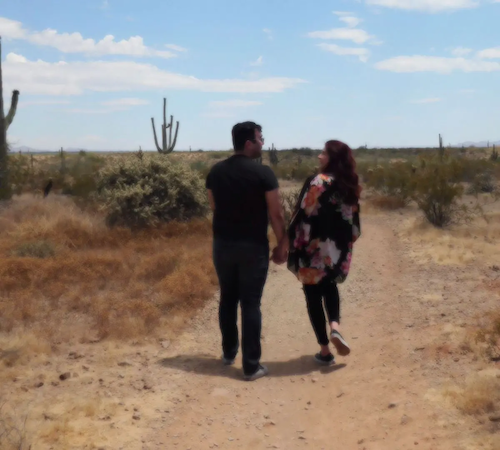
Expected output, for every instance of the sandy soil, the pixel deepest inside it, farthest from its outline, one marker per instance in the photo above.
(403, 315)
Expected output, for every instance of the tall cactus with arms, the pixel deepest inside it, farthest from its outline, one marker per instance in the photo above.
(167, 144)
(5, 121)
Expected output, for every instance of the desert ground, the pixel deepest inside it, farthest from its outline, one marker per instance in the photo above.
(420, 311)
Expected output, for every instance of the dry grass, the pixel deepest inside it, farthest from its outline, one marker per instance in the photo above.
(477, 242)
(119, 283)
(387, 202)
(92, 282)
(480, 394)
(13, 434)
(486, 335)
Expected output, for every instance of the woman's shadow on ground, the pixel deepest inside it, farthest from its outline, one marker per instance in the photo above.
(210, 366)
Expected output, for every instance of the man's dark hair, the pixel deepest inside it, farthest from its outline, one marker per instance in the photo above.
(242, 132)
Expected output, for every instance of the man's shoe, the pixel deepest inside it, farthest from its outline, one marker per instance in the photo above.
(262, 371)
(227, 361)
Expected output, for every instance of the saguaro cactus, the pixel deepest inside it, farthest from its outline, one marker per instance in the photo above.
(5, 122)
(167, 144)
(62, 168)
(494, 154)
(441, 148)
(273, 156)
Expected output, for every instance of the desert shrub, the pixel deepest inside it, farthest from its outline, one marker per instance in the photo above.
(363, 170)
(35, 249)
(219, 155)
(438, 194)
(302, 171)
(288, 203)
(20, 172)
(30, 173)
(483, 183)
(138, 193)
(467, 169)
(489, 337)
(201, 167)
(394, 181)
(297, 172)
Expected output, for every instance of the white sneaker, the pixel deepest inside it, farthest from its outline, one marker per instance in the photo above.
(340, 344)
(262, 371)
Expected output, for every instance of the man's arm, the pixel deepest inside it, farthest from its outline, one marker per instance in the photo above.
(278, 224)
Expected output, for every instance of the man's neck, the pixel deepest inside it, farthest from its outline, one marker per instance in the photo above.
(243, 153)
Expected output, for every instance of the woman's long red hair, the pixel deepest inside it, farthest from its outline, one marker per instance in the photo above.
(342, 166)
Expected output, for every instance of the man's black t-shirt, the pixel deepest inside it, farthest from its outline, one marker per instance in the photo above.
(239, 185)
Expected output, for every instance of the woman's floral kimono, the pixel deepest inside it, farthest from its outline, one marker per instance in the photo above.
(322, 232)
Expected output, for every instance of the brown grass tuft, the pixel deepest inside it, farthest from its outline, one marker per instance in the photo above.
(479, 396)
(488, 336)
(459, 245)
(121, 282)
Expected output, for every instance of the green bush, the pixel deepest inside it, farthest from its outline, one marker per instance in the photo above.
(483, 183)
(201, 167)
(297, 172)
(396, 181)
(140, 193)
(438, 194)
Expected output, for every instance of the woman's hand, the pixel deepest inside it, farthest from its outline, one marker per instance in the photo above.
(280, 253)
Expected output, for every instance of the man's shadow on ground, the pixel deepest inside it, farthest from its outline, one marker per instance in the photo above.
(210, 366)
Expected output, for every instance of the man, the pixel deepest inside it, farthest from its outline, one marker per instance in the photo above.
(244, 195)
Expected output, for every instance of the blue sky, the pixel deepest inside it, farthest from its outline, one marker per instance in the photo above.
(376, 72)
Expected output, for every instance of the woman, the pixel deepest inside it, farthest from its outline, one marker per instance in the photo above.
(321, 234)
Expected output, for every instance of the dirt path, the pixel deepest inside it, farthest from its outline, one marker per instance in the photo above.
(376, 398)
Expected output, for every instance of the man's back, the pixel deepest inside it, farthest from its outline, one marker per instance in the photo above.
(239, 187)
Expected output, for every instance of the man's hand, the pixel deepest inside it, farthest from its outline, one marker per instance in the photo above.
(280, 253)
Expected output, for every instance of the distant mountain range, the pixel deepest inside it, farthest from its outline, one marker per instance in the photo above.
(25, 149)
(478, 144)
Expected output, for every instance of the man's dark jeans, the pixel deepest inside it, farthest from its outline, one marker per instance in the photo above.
(242, 270)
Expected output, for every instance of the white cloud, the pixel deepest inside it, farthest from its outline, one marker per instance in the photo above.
(361, 53)
(105, 5)
(76, 43)
(175, 48)
(92, 111)
(126, 102)
(432, 6)
(269, 33)
(351, 21)
(43, 102)
(490, 53)
(424, 101)
(342, 13)
(234, 103)
(461, 51)
(258, 62)
(224, 109)
(409, 64)
(75, 78)
(349, 34)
